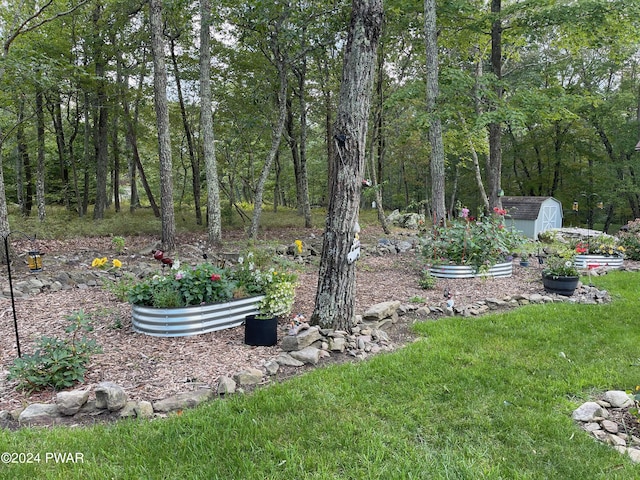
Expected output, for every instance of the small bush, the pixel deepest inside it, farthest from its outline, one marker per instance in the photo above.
(427, 281)
(56, 363)
(629, 238)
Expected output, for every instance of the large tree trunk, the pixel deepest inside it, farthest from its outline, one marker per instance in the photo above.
(494, 167)
(335, 297)
(439, 211)
(162, 120)
(214, 217)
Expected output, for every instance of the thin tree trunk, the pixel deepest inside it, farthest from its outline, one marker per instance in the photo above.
(335, 297)
(275, 142)
(435, 125)
(162, 120)
(24, 176)
(378, 142)
(195, 165)
(214, 215)
(101, 131)
(40, 173)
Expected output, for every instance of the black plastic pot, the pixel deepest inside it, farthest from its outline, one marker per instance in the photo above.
(260, 332)
(560, 285)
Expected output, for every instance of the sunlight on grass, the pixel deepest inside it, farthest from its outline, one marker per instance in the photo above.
(488, 397)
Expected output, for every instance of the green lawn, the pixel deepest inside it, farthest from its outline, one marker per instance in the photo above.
(475, 398)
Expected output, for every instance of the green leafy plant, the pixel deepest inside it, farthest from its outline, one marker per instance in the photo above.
(629, 238)
(480, 242)
(118, 243)
(279, 292)
(427, 281)
(601, 245)
(57, 363)
(560, 264)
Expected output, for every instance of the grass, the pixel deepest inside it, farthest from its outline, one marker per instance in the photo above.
(475, 398)
(61, 224)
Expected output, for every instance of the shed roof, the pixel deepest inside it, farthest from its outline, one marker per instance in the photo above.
(524, 208)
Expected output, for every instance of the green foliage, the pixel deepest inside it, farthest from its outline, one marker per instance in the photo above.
(465, 241)
(57, 363)
(118, 243)
(427, 281)
(629, 238)
(561, 263)
(182, 286)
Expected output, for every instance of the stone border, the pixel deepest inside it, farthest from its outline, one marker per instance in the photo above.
(594, 417)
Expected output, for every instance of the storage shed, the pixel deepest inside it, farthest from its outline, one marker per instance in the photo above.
(532, 215)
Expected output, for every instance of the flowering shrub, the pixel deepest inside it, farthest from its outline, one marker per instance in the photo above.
(205, 283)
(601, 245)
(629, 238)
(479, 243)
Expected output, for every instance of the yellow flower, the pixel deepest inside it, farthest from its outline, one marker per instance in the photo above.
(95, 263)
(116, 263)
(299, 245)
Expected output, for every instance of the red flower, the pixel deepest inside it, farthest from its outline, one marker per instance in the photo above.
(158, 254)
(499, 211)
(215, 277)
(166, 261)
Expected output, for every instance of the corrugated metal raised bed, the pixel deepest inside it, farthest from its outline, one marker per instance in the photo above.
(590, 260)
(194, 320)
(464, 271)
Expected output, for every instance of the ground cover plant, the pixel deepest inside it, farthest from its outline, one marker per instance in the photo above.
(487, 397)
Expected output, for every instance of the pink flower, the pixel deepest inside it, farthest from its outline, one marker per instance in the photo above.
(464, 213)
(179, 276)
(215, 277)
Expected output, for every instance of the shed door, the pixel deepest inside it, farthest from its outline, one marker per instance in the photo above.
(550, 217)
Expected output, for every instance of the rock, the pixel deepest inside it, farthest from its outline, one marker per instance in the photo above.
(337, 344)
(301, 340)
(308, 355)
(382, 310)
(110, 396)
(634, 454)
(129, 410)
(182, 401)
(287, 360)
(40, 413)
(609, 426)
(588, 412)
(617, 399)
(69, 403)
(272, 367)
(226, 385)
(144, 409)
(250, 376)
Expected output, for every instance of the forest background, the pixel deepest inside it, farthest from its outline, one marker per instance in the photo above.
(79, 129)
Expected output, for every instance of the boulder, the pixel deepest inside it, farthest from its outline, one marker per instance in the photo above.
(110, 396)
(69, 403)
(182, 401)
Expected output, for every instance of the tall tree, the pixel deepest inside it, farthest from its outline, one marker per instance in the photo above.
(438, 208)
(214, 219)
(162, 119)
(335, 297)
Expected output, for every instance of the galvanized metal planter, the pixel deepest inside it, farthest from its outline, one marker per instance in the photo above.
(586, 261)
(194, 320)
(464, 271)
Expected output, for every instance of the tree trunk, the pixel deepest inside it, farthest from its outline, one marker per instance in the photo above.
(378, 142)
(435, 125)
(162, 120)
(214, 215)
(24, 176)
(40, 173)
(193, 160)
(494, 167)
(101, 131)
(303, 182)
(275, 142)
(335, 297)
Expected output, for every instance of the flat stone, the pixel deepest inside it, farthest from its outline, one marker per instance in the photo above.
(182, 401)
(617, 399)
(40, 413)
(287, 360)
(308, 355)
(250, 376)
(382, 310)
(609, 426)
(588, 411)
(69, 403)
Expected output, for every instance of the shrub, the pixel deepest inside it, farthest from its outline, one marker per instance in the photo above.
(56, 363)
(427, 281)
(629, 238)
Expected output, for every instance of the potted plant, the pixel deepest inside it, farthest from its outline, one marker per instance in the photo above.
(261, 329)
(468, 247)
(560, 274)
